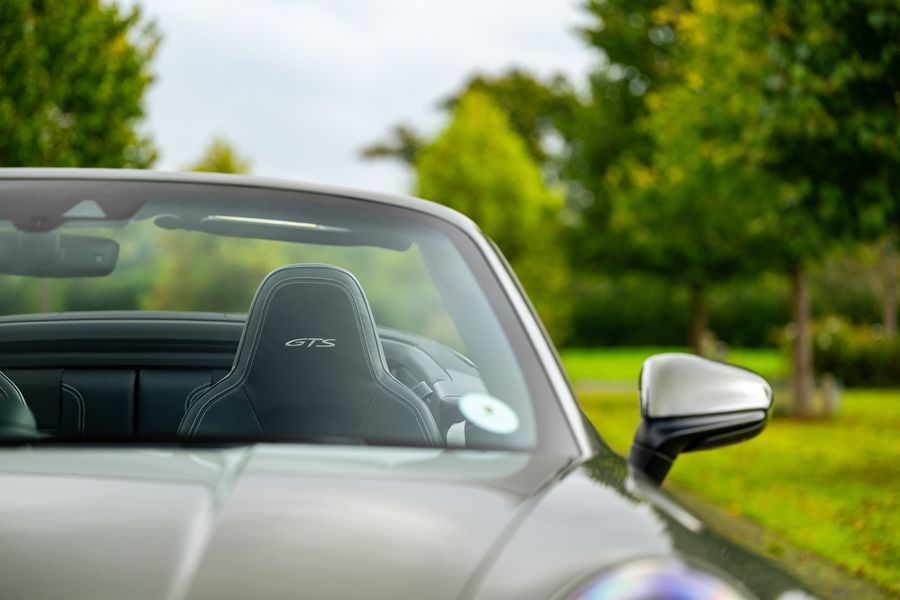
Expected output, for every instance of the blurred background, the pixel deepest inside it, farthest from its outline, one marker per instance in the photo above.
(720, 177)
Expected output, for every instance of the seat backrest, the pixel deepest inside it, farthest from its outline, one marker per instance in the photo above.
(310, 363)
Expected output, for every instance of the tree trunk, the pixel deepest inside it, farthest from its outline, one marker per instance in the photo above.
(889, 308)
(699, 320)
(802, 380)
(889, 288)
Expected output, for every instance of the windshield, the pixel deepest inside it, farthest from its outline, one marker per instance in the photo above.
(198, 312)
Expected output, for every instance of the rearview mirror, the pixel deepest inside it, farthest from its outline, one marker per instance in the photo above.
(52, 254)
(690, 403)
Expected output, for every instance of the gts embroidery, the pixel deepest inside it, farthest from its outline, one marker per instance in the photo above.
(311, 343)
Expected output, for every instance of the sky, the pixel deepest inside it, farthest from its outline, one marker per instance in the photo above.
(299, 86)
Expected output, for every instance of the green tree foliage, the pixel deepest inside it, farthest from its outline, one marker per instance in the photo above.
(73, 74)
(479, 166)
(220, 156)
(635, 46)
(772, 136)
(696, 210)
(72, 78)
(834, 87)
(834, 131)
(534, 108)
(403, 143)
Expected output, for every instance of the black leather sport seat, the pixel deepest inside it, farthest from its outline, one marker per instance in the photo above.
(310, 363)
(9, 392)
(16, 419)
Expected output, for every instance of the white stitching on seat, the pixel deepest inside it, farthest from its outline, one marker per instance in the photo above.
(79, 400)
(209, 403)
(15, 388)
(190, 395)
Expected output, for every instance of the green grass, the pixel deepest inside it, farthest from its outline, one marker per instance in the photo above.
(831, 487)
(624, 364)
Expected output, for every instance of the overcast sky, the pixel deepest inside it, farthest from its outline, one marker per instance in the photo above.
(299, 86)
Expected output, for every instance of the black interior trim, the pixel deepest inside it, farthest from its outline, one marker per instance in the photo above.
(119, 342)
(69, 365)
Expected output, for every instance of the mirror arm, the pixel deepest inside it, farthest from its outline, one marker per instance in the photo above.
(658, 441)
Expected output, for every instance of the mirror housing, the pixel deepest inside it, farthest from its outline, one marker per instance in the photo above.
(690, 403)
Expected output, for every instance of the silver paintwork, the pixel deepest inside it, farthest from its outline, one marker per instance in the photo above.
(267, 521)
(526, 317)
(289, 521)
(684, 385)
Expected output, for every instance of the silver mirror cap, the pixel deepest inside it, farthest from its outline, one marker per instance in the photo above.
(684, 385)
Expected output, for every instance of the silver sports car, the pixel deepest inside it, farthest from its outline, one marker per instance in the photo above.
(231, 387)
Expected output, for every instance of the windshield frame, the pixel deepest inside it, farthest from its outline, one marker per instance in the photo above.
(561, 429)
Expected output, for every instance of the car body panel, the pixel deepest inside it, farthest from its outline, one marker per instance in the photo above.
(600, 515)
(261, 521)
(277, 521)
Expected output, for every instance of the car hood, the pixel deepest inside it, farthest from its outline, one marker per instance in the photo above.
(286, 521)
(267, 521)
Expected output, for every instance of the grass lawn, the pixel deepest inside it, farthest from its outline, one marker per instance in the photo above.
(831, 487)
(624, 364)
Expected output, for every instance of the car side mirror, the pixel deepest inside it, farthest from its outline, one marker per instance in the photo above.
(690, 403)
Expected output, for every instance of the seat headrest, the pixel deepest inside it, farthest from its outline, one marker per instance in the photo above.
(310, 330)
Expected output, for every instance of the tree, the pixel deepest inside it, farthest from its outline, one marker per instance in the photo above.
(533, 108)
(821, 82)
(220, 156)
(653, 193)
(696, 211)
(529, 109)
(479, 166)
(889, 271)
(608, 138)
(73, 74)
(834, 93)
(635, 46)
(403, 143)
(788, 106)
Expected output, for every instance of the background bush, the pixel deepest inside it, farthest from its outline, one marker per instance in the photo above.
(638, 310)
(858, 356)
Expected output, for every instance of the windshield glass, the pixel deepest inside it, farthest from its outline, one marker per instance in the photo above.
(210, 312)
